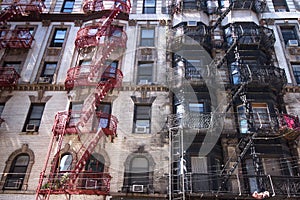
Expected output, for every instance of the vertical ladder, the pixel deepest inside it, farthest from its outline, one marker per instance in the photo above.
(177, 164)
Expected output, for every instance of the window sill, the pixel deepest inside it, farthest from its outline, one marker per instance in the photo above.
(29, 133)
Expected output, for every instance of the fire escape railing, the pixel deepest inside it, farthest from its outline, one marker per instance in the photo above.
(8, 76)
(15, 39)
(17, 8)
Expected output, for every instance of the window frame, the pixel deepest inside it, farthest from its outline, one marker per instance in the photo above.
(139, 175)
(149, 7)
(289, 33)
(50, 76)
(144, 119)
(15, 174)
(57, 40)
(33, 118)
(145, 73)
(296, 73)
(66, 9)
(280, 6)
(145, 40)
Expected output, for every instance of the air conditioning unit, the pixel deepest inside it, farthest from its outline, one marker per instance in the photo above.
(293, 43)
(143, 82)
(141, 129)
(137, 188)
(44, 80)
(191, 23)
(30, 128)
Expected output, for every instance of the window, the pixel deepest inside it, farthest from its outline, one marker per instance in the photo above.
(147, 37)
(290, 36)
(235, 73)
(296, 71)
(149, 7)
(252, 181)
(34, 117)
(68, 6)
(192, 69)
(58, 38)
(95, 163)
(280, 5)
(15, 65)
(110, 71)
(144, 73)
(261, 114)
(17, 172)
(139, 171)
(1, 108)
(104, 120)
(48, 72)
(75, 109)
(65, 162)
(142, 116)
(189, 4)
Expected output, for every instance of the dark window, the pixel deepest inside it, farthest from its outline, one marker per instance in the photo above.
(149, 7)
(65, 162)
(110, 71)
(17, 172)
(95, 163)
(48, 72)
(189, 4)
(58, 38)
(1, 108)
(280, 6)
(144, 73)
(142, 118)
(296, 70)
(68, 6)
(34, 117)
(139, 171)
(289, 35)
(147, 37)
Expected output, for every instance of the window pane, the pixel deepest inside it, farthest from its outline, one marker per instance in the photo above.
(65, 162)
(242, 119)
(296, 70)
(22, 160)
(1, 108)
(147, 37)
(58, 38)
(15, 65)
(37, 112)
(49, 69)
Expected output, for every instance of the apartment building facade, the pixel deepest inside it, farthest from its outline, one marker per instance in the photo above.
(149, 99)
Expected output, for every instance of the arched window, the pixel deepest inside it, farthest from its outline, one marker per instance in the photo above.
(65, 162)
(17, 172)
(95, 163)
(139, 171)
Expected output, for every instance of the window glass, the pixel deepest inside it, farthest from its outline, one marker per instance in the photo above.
(142, 118)
(65, 162)
(15, 65)
(34, 117)
(58, 37)
(139, 169)
(296, 71)
(280, 5)
(68, 6)
(261, 114)
(17, 172)
(75, 108)
(145, 73)
(149, 6)
(289, 33)
(147, 37)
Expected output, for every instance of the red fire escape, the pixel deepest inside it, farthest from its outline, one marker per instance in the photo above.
(13, 39)
(106, 38)
(12, 8)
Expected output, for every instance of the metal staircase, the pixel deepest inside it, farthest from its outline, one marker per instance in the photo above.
(68, 182)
